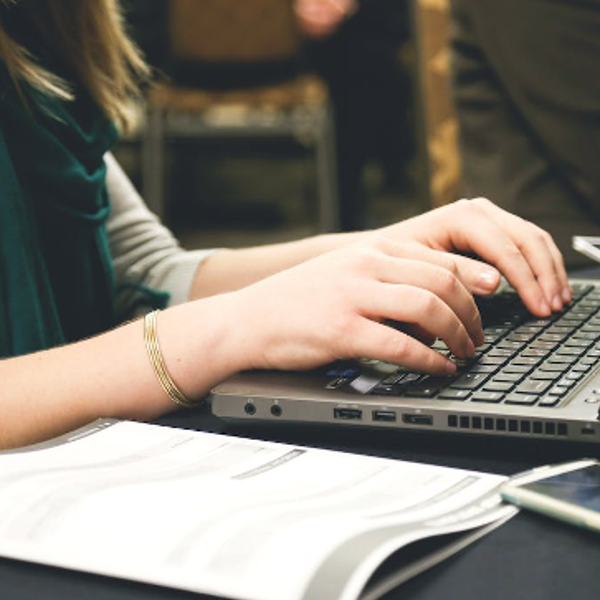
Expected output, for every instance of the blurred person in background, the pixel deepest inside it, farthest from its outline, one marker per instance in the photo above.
(527, 94)
(356, 47)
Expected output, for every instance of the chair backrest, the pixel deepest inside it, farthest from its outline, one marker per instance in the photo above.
(440, 127)
(233, 31)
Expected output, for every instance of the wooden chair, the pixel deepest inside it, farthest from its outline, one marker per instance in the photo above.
(439, 127)
(230, 40)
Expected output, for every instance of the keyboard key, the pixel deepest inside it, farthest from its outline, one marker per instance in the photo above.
(574, 375)
(543, 375)
(553, 367)
(562, 359)
(451, 394)
(428, 387)
(510, 377)
(523, 399)
(549, 401)
(552, 337)
(498, 386)
(469, 381)
(591, 329)
(571, 350)
(582, 335)
(560, 329)
(528, 329)
(536, 352)
(526, 360)
(541, 323)
(558, 390)
(521, 337)
(513, 346)
(578, 315)
(486, 359)
(479, 368)
(512, 368)
(386, 390)
(483, 396)
(499, 352)
(533, 386)
(540, 345)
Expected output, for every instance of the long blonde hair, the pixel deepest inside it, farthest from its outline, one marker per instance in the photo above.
(91, 36)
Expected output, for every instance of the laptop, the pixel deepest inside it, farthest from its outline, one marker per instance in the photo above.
(534, 378)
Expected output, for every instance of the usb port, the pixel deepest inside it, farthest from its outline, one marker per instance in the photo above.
(347, 414)
(417, 419)
(384, 415)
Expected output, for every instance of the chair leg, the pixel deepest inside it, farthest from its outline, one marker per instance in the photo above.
(153, 163)
(326, 166)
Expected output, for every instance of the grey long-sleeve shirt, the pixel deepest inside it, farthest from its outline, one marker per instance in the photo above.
(145, 253)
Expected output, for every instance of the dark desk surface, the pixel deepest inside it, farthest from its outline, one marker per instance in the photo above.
(529, 557)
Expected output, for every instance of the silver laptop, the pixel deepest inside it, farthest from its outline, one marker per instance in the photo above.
(534, 378)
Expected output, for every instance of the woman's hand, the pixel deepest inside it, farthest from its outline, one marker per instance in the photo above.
(525, 254)
(348, 303)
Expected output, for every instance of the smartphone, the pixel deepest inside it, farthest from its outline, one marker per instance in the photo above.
(569, 492)
(587, 245)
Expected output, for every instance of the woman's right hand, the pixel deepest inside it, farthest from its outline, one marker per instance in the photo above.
(341, 304)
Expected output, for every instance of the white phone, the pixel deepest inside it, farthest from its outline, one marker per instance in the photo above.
(587, 245)
(569, 492)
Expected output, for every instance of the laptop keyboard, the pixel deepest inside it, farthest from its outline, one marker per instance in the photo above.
(525, 361)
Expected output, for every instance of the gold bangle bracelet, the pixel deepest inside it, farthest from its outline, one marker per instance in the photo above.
(158, 363)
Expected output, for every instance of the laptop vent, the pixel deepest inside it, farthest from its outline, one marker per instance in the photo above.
(500, 424)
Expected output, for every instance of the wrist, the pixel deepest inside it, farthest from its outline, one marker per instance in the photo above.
(199, 344)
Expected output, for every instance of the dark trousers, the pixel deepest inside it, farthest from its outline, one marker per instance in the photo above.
(371, 96)
(526, 85)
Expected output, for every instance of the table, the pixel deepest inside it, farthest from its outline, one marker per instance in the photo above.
(529, 557)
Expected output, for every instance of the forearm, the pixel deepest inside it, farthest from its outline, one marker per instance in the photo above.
(233, 269)
(51, 392)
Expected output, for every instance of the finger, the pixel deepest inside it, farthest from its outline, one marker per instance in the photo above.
(555, 282)
(493, 243)
(539, 249)
(437, 280)
(566, 290)
(378, 341)
(415, 305)
(478, 277)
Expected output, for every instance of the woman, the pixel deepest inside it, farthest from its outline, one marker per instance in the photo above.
(79, 253)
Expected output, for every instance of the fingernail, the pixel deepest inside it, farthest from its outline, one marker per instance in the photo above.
(557, 303)
(567, 294)
(470, 347)
(488, 279)
(450, 367)
(545, 307)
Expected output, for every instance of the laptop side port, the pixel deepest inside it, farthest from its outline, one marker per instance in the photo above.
(417, 419)
(388, 416)
(347, 414)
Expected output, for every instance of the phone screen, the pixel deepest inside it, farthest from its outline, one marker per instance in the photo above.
(580, 487)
